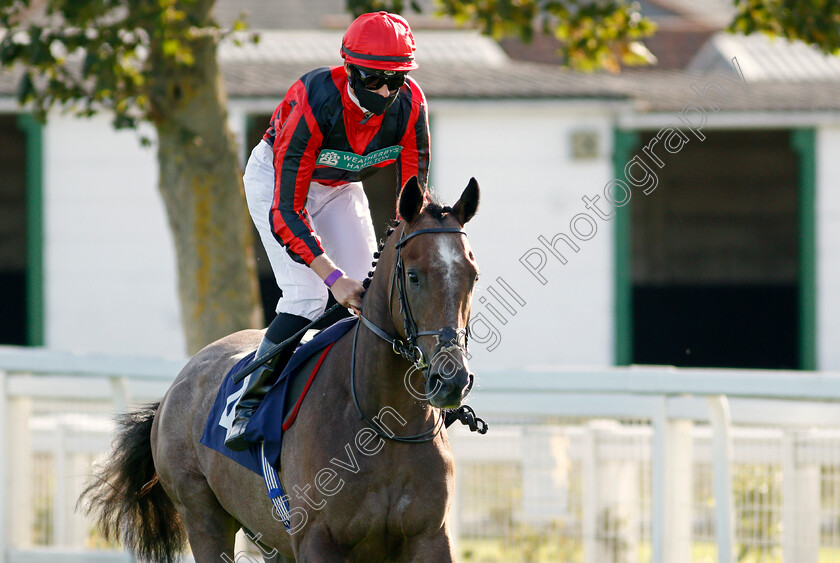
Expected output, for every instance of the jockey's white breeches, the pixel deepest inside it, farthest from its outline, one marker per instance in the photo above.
(340, 218)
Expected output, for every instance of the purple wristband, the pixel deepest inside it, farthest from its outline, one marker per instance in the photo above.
(331, 279)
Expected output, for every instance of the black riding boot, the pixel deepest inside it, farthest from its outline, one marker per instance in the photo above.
(284, 326)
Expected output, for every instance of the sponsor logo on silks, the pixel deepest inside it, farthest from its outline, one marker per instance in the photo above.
(354, 162)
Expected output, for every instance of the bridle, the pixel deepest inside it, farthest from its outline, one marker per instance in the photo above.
(451, 338)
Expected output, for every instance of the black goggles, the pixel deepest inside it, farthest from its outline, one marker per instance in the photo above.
(374, 79)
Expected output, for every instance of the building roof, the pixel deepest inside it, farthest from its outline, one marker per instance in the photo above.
(9, 80)
(466, 65)
(309, 14)
(453, 64)
(666, 91)
(712, 13)
(278, 14)
(322, 47)
(519, 81)
(765, 59)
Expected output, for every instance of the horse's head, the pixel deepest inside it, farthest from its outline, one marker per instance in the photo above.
(434, 273)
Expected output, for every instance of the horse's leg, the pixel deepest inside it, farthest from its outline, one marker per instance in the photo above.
(211, 531)
(278, 558)
(209, 545)
(211, 534)
(317, 546)
(437, 547)
(269, 554)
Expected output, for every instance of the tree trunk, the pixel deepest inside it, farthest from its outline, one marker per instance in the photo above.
(201, 184)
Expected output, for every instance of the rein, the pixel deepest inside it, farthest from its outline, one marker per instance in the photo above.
(277, 348)
(410, 351)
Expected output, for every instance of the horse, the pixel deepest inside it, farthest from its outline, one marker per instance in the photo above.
(371, 472)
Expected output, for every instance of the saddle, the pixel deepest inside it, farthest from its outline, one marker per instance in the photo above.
(278, 410)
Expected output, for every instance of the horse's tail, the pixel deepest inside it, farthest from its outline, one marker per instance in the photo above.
(126, 499)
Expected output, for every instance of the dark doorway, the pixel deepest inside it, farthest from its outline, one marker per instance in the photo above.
(382, 199)
(715, 255)
(13, 304)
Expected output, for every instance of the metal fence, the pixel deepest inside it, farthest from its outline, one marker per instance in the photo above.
(594, 466)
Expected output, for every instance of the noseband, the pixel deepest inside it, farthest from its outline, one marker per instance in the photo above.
(449, 338)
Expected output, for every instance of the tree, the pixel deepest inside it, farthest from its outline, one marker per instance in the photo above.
(816, 22)
(597, 34)
(593, 34)
(155, 61)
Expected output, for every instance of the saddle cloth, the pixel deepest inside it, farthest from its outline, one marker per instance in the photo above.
(278, 409)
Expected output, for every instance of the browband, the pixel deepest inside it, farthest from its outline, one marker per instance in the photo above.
(405, 239)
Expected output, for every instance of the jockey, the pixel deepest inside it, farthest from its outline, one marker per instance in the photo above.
(335, 126)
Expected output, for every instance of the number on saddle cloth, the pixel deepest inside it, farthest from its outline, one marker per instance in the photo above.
(264, 425)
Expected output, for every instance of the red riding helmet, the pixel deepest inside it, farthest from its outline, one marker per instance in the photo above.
(379, 40)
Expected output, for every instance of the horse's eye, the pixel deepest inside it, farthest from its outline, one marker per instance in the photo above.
(476, 278)
(412, 277)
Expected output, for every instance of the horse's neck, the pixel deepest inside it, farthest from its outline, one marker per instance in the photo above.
(381, 374)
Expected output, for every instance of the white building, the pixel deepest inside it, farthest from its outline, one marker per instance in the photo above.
(722, 247)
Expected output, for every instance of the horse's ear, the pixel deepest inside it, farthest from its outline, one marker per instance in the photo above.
(411, 200)
(467, 205)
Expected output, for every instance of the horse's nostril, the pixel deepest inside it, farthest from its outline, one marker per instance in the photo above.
(446, 365)
(448, 390)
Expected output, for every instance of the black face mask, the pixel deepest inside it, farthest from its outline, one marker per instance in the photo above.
(369, 99)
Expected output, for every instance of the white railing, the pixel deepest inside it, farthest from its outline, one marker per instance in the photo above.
(592, 465)
(55, 418)
(631, 448)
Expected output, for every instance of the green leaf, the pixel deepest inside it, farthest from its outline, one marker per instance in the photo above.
(89, 63)
(9, 50)
(170, 47)
(25, 89)
(815, 22)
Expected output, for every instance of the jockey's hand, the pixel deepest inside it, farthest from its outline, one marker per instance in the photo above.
(348, 292)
